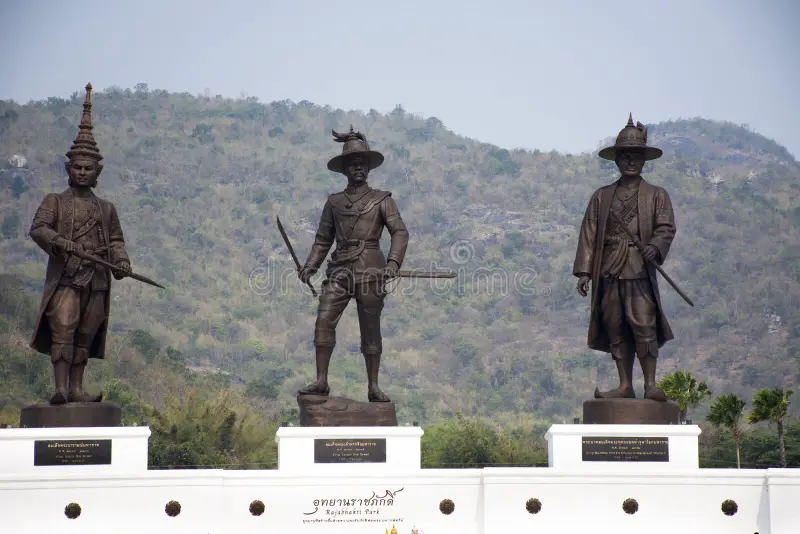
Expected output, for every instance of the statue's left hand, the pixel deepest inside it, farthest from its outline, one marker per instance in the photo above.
(123, 270)
(390, 271)
(650, 253)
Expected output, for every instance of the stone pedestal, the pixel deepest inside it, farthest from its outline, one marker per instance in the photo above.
(623, 448)
(319, 411)
(349, 450)
(73, 414)
(73, 451)
(630, 412)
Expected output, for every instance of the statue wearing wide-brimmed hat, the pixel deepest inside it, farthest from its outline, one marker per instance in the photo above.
(69, 226)
(632, 139)
(627, 318)
(354, 219)
(354, 143)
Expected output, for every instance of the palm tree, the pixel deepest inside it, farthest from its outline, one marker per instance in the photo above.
(685, 390)
(727, 411)
(772, 405)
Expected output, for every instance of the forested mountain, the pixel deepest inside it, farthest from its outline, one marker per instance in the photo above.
(198, 181)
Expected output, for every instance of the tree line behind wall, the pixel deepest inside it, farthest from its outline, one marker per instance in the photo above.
(460, 442)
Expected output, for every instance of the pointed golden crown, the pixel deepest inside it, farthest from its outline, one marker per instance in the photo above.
(84, 145)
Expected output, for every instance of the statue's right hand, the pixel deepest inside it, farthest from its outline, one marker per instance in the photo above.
(67, 246)
(583, 285)
(305, 273)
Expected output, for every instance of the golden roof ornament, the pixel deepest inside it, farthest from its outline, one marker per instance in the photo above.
(394, 530)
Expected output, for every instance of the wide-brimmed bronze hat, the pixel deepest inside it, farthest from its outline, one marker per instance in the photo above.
(631, 138)
(354, 143)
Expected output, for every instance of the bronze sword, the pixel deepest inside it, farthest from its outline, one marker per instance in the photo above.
(291, 251)
(415, 273)
(639, 246)
(82, 254)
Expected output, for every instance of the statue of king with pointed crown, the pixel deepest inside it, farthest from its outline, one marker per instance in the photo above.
(70, 226)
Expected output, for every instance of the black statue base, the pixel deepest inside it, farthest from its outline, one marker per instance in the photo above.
(316, 410)
(73, 414)
(630, 412)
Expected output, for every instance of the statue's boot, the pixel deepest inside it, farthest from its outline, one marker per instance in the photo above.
(320, 386)
(649, 371)
(374, 393)
(76, 391)
(625, 389)
(61, 372)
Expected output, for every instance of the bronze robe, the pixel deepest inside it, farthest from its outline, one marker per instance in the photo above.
(54, 218)
(656, 227)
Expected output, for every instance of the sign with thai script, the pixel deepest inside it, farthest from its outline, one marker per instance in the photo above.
(345, 451)
(625, 449)
(72, 452)
(378, 509)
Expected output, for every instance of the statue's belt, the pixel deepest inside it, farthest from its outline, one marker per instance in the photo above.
(350, 250)
(617, 240)
(357, 243)
(74, 263)
(95, 249)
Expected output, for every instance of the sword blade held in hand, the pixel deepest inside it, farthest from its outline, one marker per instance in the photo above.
(291, 251)
(82, 254)
(413, 273)
(416, 273)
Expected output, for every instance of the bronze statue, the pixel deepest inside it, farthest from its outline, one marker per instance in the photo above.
(354, 219)
(77, 230)
(626, 318)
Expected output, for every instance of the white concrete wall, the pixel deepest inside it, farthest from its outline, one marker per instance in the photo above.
(128, 452)
(487, 501)
(564, 446)
(217, 502)
(680, 502)
(302, 497)
(782, 499)
(296, 449)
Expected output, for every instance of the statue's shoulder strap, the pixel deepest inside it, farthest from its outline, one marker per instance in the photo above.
(342, 205)
(375, 197)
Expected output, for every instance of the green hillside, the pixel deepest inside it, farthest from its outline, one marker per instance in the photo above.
(198, 182)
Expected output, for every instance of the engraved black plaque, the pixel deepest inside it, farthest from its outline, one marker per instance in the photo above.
(627, 449)
(350, 451)
(72, 452)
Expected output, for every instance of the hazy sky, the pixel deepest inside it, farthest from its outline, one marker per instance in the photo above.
(525, 73)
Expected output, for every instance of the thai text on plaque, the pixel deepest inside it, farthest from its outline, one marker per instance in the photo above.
(625, 449)
(72, 452)
(342, 451)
